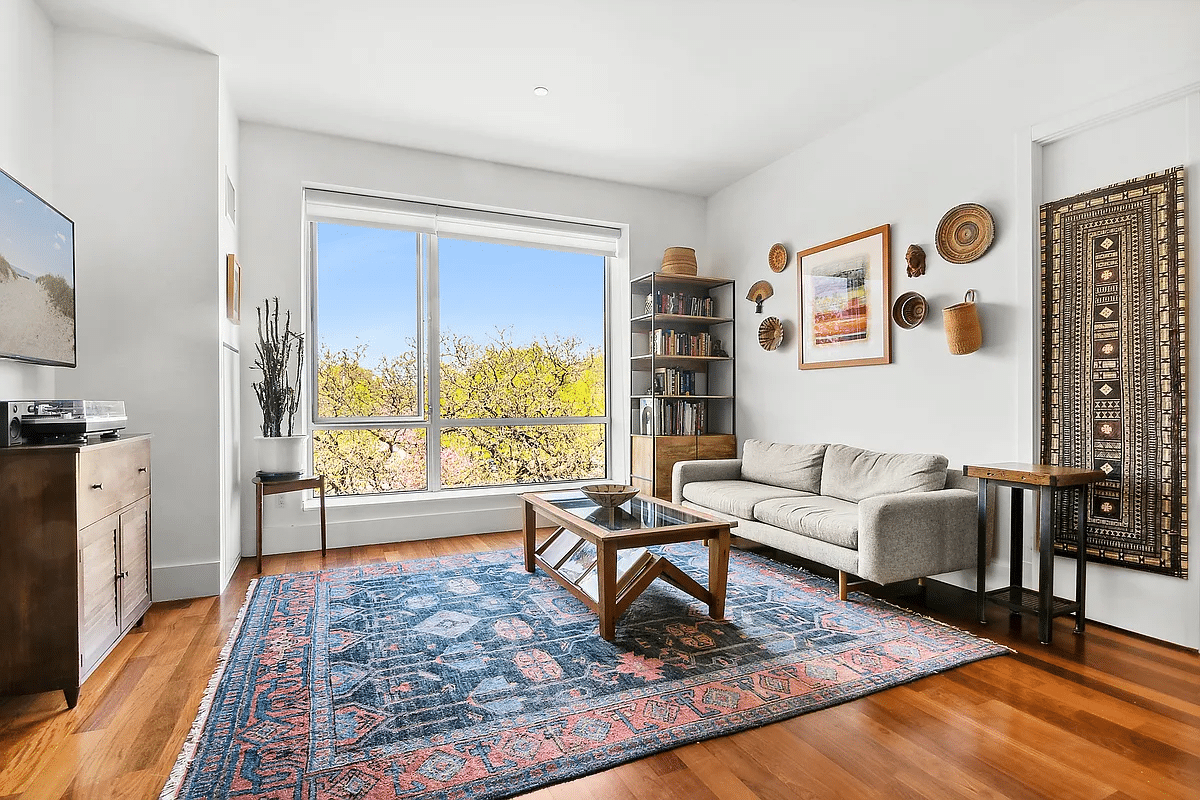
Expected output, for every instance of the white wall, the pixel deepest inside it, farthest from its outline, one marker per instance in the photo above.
(229, 357)
(136, 149)
(26, 152)
(907, 162)
(276, 163)
(1138, 144)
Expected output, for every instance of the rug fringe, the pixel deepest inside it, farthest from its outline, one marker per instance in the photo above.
(179, 771)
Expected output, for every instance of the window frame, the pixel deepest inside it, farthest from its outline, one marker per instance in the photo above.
(421, 299)
(428, 307)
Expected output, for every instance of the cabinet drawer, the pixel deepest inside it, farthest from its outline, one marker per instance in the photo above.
(111, 478)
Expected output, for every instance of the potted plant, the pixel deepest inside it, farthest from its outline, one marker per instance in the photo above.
(280, 360)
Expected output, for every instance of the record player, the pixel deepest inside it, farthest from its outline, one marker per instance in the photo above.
(41, 421)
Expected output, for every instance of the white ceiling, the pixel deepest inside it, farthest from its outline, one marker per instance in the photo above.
(689, 95)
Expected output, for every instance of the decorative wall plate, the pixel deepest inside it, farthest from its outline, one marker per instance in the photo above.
(965, 233)
(909, 310)
(760, 291)
(770, 333)
(778, 257)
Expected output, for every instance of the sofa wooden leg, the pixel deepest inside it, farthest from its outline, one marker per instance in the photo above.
(921, 582)
(843, 585)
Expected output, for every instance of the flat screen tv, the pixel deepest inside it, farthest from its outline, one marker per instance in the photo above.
(37, 278)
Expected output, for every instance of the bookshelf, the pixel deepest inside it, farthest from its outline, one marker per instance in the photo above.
(681, 375)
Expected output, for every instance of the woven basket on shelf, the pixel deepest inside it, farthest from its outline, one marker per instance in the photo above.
(679, 261)
(963, 334)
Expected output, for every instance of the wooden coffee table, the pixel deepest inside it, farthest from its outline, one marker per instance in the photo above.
(599, 555)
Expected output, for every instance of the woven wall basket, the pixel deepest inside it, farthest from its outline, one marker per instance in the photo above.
(679, 261)
(963, 334)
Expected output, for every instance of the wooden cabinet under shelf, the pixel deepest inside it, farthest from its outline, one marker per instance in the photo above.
(654, 457)
(682, 375)
(74, 558)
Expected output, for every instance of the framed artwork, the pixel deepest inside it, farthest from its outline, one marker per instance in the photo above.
(233, 288)
(843, 297)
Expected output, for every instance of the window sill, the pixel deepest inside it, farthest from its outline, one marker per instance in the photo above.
(400, 499)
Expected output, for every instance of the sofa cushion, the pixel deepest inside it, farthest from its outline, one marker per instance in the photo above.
(793, 466)
(733, 497)
(825, 518)
(850, 473)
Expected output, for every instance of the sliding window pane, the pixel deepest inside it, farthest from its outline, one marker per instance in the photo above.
(507, 455)
(522, 331)
(370, 461)
(367, 319)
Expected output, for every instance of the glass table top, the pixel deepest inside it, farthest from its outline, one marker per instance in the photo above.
(632, 515)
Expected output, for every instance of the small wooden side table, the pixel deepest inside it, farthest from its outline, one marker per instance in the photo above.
(1046, 480)
(263, 488)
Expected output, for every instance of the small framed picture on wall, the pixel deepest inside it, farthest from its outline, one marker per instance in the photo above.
(233, 288)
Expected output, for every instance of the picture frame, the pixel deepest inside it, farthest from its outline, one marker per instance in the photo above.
(233, 288)
(844, 300)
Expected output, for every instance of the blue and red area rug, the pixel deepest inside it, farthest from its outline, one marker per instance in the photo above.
(467, 677)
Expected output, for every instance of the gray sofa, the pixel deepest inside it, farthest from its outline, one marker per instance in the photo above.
(884, 517)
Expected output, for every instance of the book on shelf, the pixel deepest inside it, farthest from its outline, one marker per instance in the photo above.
(668, 380)
(684, 304)
(681, 418)
(667, 342)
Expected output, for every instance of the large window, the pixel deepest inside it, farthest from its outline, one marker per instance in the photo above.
(454, 348)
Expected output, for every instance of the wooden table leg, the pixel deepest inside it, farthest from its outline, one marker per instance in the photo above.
(258, 496)
(1046, 568)
(718, 572)
(530, 531)
(1081, 560)
(1016, 550)
(981, 544)
(606, 573)
(322, 490)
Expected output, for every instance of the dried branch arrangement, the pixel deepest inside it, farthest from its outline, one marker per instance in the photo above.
(278, 397)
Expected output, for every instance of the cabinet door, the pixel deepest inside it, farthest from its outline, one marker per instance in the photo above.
(99, 623)
(135, 561)
(668, 450)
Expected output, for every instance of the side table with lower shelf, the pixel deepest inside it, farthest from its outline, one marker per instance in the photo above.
(1047, 480)
(264, 487)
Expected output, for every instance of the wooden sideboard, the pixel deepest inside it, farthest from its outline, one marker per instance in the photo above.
(74, 558)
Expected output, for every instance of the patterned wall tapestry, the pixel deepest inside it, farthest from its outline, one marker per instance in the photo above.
(1114, 365)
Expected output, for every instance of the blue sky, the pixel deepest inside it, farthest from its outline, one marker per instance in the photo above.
(33, 237)
(367, 282)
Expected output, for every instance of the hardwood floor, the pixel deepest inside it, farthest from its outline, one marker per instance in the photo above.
(1103, 715)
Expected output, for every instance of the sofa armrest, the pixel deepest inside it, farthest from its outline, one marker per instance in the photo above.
(914, 534)
(716, 469)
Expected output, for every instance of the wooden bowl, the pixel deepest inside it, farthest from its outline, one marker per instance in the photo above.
(608, 495)
(909, 310)
(770, 333)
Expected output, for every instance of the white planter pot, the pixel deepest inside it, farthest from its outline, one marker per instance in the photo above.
(281, 454)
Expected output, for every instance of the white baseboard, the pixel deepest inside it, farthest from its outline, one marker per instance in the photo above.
(352, 533)
(183, 581)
